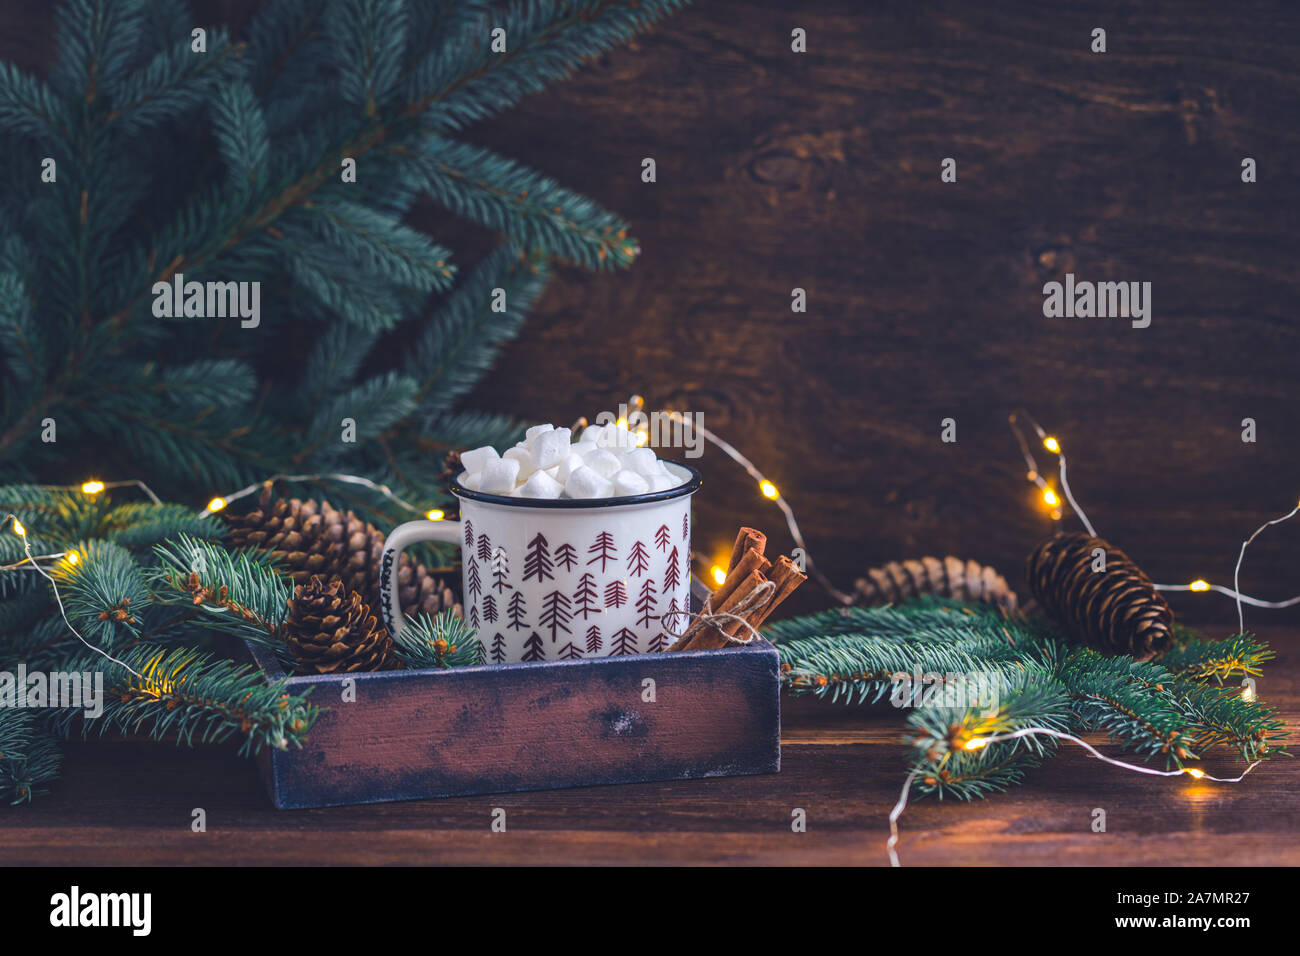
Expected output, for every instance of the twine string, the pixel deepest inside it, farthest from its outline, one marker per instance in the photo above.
(707, 617)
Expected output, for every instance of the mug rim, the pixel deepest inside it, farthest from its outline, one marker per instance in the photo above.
(691, 486)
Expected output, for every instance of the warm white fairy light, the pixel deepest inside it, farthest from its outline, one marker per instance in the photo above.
(94, 486)
(978, 743)
(1053, 445)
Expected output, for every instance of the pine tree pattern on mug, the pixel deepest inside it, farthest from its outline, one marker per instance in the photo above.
(585, 584)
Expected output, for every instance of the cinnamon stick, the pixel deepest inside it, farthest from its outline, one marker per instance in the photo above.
(746, 539)
(753, 560)
(711, 637)
(786, 577)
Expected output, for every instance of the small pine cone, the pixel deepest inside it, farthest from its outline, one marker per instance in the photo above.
(949, 577)
(331, 630)
(1116, 611)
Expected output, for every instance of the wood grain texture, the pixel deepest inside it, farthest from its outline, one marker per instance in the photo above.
(541, 726)
(131, 803)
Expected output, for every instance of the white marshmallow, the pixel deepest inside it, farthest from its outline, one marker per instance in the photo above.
(534, 432)
(475, 459)
(630, 483)
(616, 436)
(472, 481)
(550, 448)
(499, 476)
(567, 467)
(585, 483)
(603, 462)
(662, 482)
(526, 463)
(590, 434)
(541, 485)
(642, 461)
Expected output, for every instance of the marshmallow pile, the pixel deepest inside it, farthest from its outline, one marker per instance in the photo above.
(605, 462)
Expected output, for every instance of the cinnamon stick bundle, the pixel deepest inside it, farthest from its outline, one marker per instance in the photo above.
(747, 573)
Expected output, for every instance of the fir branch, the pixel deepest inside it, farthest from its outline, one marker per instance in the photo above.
(191, 696)
(1030, 698)
(861, 668)
(464, 337)
(1128, 700)
(903, 620)
(369, 39)
(444, 640)
(175, 80)
(237, 591)
(532, 209)
(545, 41)
(103, 593)
(141, 525)
(240, 130)
(29, 757)
(1241, 655)
(30, 108)
(1220, 717)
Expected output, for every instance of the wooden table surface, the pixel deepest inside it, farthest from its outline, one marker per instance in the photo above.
(132, 803)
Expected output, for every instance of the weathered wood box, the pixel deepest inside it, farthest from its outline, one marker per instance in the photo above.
(568, 723)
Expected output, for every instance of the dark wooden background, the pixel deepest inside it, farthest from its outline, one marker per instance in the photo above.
(821, 171)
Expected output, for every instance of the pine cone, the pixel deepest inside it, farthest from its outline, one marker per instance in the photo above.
(311, 538)
(330, 630)
(1117, 611)
(950, 577)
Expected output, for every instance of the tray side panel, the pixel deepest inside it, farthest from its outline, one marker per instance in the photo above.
(532, 727)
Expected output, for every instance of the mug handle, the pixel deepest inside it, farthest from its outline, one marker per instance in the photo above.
(399, 539)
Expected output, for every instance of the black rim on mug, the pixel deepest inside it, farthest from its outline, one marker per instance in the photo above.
(691, 486)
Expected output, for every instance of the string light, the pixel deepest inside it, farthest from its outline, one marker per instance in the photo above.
(436, 515)
(719, 575)
(58, 599)
(216, 504)
(977, 743)
(768, 490)
(1033, 474)
(1200, 585)
(95, 486)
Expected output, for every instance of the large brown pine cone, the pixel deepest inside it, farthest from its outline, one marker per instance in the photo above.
(315, 538)
(944, 577)
(331, 630)
(1117, 611)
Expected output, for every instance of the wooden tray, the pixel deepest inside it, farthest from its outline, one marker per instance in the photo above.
(570, 723)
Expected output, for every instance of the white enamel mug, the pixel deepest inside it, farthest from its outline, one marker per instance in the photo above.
(558, 578)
